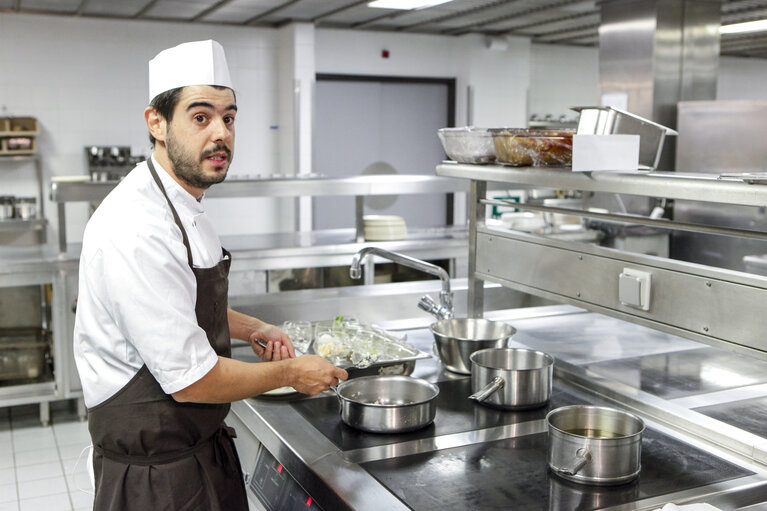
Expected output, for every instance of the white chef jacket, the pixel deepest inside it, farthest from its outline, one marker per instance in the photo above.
(137, 294)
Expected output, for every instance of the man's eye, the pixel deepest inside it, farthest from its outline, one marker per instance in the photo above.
(229, 119)
(199, 118)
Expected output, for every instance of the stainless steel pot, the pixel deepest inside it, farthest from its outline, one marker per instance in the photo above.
(387, 404)
(511, 378)
(594, 444)
(456, 339)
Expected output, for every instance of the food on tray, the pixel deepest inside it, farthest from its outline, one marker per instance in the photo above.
(347, 341)
(533, 147)
(468, 144)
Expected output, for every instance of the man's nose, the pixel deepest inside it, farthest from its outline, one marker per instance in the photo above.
(220, 129)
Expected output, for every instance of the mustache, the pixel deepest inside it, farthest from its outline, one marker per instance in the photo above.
(218, 148)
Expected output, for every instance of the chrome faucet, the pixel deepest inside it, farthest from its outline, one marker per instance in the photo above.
(445, 308)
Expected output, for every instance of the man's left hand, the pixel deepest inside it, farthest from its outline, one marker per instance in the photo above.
(278, 345)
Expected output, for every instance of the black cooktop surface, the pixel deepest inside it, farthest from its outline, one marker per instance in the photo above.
(747, 414)
(513, 474)
(510, 473)
(683, 373)
(455, 414)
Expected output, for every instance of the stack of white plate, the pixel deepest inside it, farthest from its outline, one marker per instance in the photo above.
(384, 227)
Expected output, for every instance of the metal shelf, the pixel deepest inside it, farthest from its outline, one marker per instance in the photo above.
(671, 185)
(15, 225)
(67, 189)
(18, 157)
(715, 306)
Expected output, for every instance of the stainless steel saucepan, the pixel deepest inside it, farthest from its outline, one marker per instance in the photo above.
(456, 339)
(594, 444)
(511, 378)
(387, 404)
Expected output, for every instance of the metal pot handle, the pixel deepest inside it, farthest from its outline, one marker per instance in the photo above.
(488, 390)
(334, 388)
(582, 458)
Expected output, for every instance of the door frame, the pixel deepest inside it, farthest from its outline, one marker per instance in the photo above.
(449, 82)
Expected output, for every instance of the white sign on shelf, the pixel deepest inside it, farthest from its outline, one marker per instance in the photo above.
(605, 152)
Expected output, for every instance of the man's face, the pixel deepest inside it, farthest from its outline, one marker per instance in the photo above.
(200, 138)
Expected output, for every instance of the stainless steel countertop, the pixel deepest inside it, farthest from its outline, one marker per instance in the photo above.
(580, 341)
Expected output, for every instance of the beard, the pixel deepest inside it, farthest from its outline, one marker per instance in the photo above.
(190, 170)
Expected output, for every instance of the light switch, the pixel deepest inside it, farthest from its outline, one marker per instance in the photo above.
(634, 288)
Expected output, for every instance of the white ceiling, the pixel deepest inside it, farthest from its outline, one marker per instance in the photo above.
(567, 22)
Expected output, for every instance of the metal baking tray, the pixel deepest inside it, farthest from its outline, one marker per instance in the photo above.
(606, 120)
(403, 363)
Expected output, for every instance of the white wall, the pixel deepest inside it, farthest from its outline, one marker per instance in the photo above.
(499, 79)
(86, 82)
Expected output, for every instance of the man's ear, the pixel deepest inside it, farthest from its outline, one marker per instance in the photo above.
(155, 123)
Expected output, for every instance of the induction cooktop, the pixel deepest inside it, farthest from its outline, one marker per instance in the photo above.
(509, 473)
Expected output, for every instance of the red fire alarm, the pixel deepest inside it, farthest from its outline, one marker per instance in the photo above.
(384, 54)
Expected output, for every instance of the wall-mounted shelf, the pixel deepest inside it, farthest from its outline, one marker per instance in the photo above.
(18, 136)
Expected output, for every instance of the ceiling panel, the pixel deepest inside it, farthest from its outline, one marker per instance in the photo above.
(177, 9)
(568, 22)
(237, 11)
(124, 8)
(69, 6)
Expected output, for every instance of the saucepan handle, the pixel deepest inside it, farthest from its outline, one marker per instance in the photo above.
(334, 388)
(582, 458)
(488, 390)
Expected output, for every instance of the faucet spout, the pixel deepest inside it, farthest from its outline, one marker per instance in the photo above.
(445, 296)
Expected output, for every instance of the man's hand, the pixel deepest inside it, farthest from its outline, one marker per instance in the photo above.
(278, 345)
(311, 374)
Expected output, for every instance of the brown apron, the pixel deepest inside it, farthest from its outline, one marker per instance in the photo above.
(153, 453)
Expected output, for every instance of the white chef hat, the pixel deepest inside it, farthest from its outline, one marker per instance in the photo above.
(194, 63)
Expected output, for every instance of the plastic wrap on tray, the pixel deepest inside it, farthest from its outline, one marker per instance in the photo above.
(468, 144)
(533, 147)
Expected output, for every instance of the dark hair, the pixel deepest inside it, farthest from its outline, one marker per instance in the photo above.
(165, 103)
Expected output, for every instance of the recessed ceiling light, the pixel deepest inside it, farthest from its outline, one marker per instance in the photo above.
(748, 26)
(405, 4)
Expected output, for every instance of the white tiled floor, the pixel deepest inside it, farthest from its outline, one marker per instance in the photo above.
(41, 468)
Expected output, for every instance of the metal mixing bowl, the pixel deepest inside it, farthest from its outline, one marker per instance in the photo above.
(456, 339)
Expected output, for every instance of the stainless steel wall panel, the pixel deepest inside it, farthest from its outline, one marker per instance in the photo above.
(720, 137)
(659, 53)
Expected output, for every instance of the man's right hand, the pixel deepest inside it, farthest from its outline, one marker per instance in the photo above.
(311, 374)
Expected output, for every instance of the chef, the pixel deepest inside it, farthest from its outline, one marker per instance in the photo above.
(152, 331)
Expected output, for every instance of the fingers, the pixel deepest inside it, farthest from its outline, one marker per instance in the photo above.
(341, 374)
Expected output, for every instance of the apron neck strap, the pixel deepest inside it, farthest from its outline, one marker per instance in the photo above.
(172, 210)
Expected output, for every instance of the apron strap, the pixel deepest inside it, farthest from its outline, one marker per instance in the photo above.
(172, 210)
(222, 456)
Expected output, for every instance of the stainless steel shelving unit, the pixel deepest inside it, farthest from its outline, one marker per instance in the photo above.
(36, 224)
(63, 192)
(719, 307)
